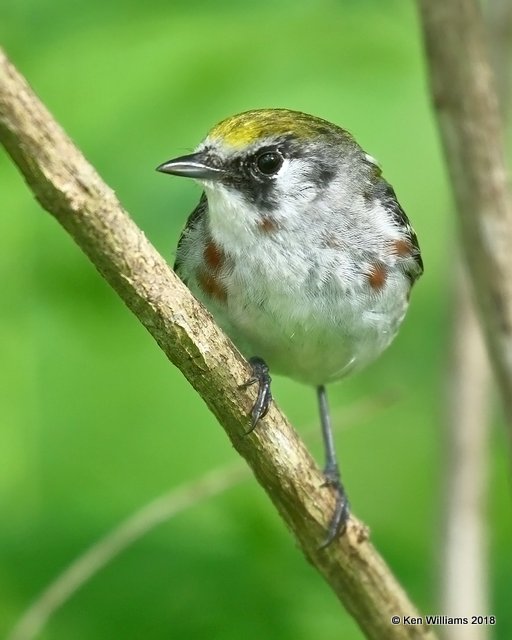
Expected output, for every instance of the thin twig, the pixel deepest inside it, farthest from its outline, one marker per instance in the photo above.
(116, 541)
(145, 519)
(69, 188)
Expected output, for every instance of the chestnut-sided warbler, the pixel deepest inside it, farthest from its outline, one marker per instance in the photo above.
(301, 252)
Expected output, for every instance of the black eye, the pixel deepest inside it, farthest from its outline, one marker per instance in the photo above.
(269, 162)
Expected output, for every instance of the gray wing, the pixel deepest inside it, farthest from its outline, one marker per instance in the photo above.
(386, 194)
(194, 218)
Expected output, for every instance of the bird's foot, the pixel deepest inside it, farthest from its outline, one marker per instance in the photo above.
(338, 522)
(261, 376)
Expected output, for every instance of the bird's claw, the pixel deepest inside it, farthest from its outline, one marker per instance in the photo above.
(261, 376)
(338, 521)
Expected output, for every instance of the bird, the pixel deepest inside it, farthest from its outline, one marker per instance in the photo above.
(301, 252)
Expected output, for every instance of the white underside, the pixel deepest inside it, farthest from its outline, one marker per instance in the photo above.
(303, 305)
(314, 342)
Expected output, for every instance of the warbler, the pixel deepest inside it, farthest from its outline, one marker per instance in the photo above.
(302, 253)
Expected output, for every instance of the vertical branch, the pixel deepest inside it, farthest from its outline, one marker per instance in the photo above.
(464, 585)
(466, 103)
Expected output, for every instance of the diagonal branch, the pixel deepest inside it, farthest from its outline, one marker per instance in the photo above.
(69, 188)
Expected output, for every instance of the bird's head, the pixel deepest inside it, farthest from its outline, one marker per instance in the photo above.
(270, 163)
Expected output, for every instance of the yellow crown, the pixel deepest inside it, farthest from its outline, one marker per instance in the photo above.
(248, 127)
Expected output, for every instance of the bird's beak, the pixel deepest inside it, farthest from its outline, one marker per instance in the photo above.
(195, 165)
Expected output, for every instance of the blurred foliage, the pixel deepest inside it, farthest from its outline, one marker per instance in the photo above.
(93, 420)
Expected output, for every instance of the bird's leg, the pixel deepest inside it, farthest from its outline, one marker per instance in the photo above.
(261, 376)
(332, 472)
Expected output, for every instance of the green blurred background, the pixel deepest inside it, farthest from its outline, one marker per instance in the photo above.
(94, 422)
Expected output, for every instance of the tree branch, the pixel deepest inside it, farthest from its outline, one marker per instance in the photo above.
(464, 570)
(69, 188)
(467, 108)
